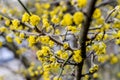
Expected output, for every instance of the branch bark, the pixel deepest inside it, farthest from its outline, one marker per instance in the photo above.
(83, 36)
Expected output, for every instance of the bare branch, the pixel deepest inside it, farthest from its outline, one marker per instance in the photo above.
(105, 3)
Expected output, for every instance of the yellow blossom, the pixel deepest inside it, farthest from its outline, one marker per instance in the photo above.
(55, 20)
(32, 74)
(59, 52)
(44, 39)
(7, 22)
(47, 5)
(1, 44)
(3, 29)
(9, 39)
(99, 48)
(64, 55)
(73, 29)
(65, 45)
(52, 59)
(97, 13)
(77, 52)
(25, 17)
(15, 23)
(77, 58)
(94, 68)
(57, 31)
(36, 72)
(51, 43)
(22, 35)
(100, 20)
(43, 52)
(18, 40)
(78, 17)
(95, 75)
(45, 23)
(82, 3)
(113, 59)
(34, 20)
(31, 40)
(86, 77)
(103, 58)
(117, 41)
(67, 20)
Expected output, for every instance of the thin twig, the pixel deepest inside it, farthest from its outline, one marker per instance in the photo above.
(105, 3)
(106, 19)
(24, 7)
(27, 33)
(62, 68)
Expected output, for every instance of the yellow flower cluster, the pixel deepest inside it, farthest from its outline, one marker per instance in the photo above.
(55, 20)
(57, 31)
(34, 20)
(116, 25)
(43, 53)
(18, 40)
(117, 36)
(51, 43)
(99, 21)
(62, 54)
(99, 48)
(103, 58)
(31, 40)
(73, 29)
(46, 75)
(95, 75)
(114, 59)
(78, 17)
(77, 56)
(46, 5)
(94, 68)
(15, 23)
(59, 52)
(9, 39)
(25, 17)
(45, 23)
(65, 45)
(44, 40)
(97, 13)
(100, 36)
(33, 71)
(117, 41)
(105, 27)
(7, 22)
(67, 20)
(82, 3)
(22, 35)
(3, 29)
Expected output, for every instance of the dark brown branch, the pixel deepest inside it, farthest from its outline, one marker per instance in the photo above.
(59, 60)
(83, 36)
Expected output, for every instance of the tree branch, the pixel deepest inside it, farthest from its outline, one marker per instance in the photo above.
(83, 36)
